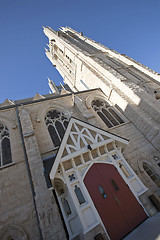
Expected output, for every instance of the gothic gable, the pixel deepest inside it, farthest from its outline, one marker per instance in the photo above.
(38, 96)
(7, 102)
(79, 138)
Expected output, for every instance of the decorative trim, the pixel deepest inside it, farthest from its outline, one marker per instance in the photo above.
(73, 141)
(93, 96)
(8, 122)
(47, 107)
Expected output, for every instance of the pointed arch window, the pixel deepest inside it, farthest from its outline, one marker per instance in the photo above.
(66, 206)
(5, 148)
(151, 174)
(107, 113)
(79, 195)
(56, 123)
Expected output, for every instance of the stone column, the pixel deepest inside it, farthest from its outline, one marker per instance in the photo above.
(49, 217)
(82, 108)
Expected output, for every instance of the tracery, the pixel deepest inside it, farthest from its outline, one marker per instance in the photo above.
(5, 148)
(107, 113)
(56, 122)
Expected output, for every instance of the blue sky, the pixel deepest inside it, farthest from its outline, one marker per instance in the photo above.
(127, 26)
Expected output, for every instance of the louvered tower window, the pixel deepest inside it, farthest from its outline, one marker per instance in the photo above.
(5, 148)
(56, 123)
(107, 113)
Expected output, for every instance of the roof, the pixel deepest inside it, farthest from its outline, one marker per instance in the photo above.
(46, 97)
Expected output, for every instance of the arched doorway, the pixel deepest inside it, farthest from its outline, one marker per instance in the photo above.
(12, 232)
(119, 210)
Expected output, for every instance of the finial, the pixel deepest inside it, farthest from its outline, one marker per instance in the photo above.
(52, 86)
(49, 80)
(62, 85)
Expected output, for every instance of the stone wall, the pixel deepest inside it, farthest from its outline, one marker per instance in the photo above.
(17, 205)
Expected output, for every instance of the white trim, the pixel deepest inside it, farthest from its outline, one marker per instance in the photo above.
(85, 149)
(67, 134)
(88, 206)
(87, 213)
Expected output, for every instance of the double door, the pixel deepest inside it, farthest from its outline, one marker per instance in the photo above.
(119, 210)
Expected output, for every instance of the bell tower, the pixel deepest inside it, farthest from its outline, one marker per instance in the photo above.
(86, 64)
(130, 86)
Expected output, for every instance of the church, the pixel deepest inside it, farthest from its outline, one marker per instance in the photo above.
(81, 163)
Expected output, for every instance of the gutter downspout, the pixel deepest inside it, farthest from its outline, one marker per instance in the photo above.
(29, 174)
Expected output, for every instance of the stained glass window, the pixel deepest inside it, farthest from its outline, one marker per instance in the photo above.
(56, 123)
(79, 195)
(107, 113)
(66, 206)
(151, 174)
(5, 148)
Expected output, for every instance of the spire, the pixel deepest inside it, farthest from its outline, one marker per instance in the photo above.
(52, 86)
(49, 32)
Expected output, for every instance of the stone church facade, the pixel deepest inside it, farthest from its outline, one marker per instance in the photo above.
(82, 163)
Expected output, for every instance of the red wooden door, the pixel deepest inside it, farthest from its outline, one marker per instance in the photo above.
(119, 210)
